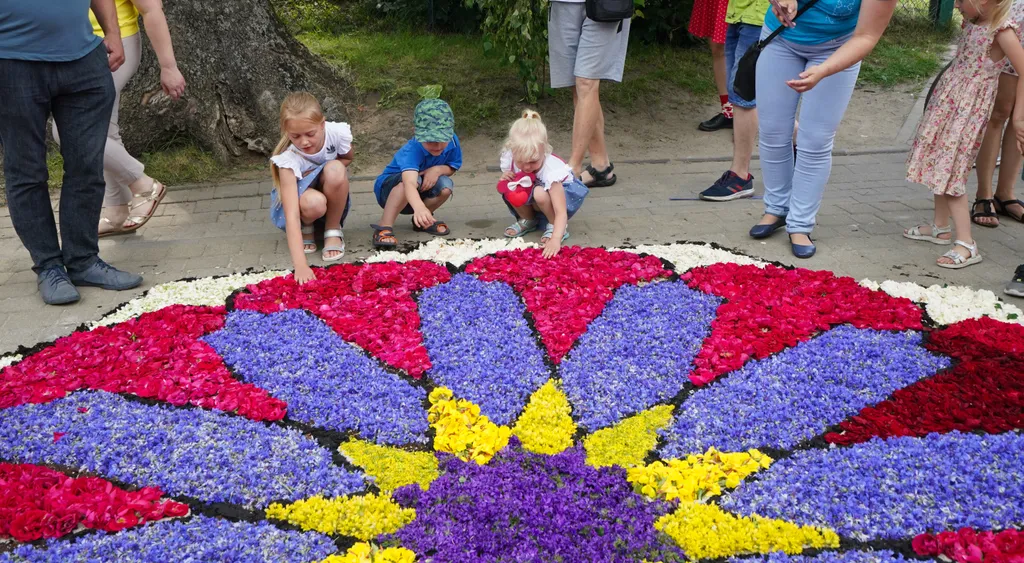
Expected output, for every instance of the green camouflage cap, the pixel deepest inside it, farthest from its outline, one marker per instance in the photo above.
(434, 121)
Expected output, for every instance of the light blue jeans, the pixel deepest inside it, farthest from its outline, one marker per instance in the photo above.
(795, 189)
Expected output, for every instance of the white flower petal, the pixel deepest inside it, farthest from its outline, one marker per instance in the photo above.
(952, 304)
(689, 256)
(201, 292)
(456, 252)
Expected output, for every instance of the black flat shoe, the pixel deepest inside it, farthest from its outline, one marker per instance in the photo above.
(765, 231)
(717, 122)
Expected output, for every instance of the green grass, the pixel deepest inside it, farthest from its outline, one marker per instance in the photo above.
(392, 65)
(908, 53)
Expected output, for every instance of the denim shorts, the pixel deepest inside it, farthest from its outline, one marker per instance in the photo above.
(739, 37)
(310, 180)
(393, 180)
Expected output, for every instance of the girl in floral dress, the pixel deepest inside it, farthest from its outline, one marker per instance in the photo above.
(951, 130)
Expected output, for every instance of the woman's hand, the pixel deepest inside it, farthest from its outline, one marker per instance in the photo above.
(172, 82)
(808, 79)
(304, 275)
(785, 11)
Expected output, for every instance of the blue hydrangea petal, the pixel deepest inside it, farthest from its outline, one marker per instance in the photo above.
(638, 352)
(325, 381)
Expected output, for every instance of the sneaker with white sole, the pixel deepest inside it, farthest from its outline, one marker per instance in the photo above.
(1016, 286)
(729, 187)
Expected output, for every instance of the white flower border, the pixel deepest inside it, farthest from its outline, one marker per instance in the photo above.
(201, 292)
(946, 305)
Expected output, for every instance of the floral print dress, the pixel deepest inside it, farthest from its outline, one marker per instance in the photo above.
(951, 130)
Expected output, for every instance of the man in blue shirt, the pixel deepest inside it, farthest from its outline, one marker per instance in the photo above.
(51, 62)
(418, 179)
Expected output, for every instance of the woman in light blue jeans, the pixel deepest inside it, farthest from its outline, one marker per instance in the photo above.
(818, 60)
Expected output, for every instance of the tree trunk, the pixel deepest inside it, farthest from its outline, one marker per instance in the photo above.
(239, 62)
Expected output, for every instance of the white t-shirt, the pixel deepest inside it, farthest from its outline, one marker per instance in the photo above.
(553, 170)
(337, 140)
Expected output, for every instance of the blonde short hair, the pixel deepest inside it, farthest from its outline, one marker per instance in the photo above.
(528, 138)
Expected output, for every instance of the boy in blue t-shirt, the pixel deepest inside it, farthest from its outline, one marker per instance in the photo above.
(418, 180)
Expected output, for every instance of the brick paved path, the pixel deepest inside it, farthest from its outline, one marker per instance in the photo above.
(202, 231)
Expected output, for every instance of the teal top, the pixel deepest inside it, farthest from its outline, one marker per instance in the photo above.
(45, 30)
(825, 21)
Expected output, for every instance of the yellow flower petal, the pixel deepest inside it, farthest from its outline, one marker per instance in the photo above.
(628, 442)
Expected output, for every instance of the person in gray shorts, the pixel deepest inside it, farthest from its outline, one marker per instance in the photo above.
(584, 52)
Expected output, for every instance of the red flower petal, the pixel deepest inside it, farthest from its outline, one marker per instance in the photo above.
(157, 355)
(770, 309)
(37, 502)
(370, 305)
(568, 291)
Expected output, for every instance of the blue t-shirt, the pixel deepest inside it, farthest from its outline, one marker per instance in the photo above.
(825, 21)
(413, 156)
(46, 30)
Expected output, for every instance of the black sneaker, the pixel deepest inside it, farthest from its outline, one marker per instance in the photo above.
(717, 122)
(1016, 285)
(729, 187)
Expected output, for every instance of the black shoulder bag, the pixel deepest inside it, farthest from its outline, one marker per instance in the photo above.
(609, 10)
(745, 83)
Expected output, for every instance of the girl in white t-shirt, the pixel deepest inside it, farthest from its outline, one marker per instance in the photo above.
(310, 181)
(557, 193)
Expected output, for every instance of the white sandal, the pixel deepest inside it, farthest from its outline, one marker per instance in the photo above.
(154, 196)
(958, 259)
(307, 231)
(339, 248)
(914, 233)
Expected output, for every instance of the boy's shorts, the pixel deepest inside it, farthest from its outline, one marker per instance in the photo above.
(311, 180)
(739, 37)
(581, 47)
(393, 180)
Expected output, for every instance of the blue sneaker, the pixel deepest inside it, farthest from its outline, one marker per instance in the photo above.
(55, 287)
(105, 276)
(729, 187)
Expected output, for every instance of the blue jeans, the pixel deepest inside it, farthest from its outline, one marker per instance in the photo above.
(80, 94)
(795, 189)
(389, 183)
(739, 37)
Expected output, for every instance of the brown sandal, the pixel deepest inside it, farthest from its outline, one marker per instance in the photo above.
(381, 233)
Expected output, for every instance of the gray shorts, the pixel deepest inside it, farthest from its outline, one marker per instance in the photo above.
(581, 47)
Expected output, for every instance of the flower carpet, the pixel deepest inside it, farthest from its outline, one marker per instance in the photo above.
(470, 401)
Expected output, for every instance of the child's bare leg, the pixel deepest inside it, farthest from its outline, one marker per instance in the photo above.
(312, 206)
(393, 206)
(1008, 172)
(961, 212)
(542, 201)
(334, 183)
(435, 202)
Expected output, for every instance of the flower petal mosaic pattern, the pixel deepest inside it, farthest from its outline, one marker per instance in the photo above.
(326, 381)
(201, 454)
(156, 356)
(568, 291)
(370, 305)
(637, 353)
(549, 507)
(893, 489)
(800, 392)
(771, 308)
(471, 401)
(38, 502)
(481, 346)
(198, 539)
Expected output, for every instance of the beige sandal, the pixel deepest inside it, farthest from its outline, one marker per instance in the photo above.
(108, 228)
(154, 196)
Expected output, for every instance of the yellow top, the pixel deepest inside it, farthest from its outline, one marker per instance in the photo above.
(127, 19)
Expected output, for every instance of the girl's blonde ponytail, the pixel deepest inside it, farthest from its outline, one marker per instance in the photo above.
(528, 137)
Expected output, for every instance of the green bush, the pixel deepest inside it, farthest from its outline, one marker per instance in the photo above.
(434, 15)
(663, 22)
(518, 29)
